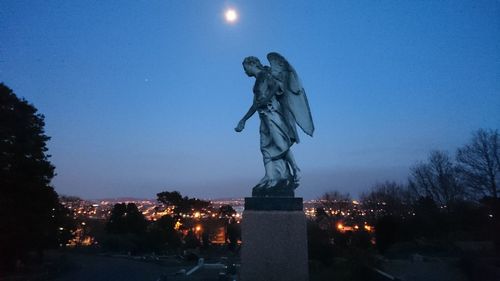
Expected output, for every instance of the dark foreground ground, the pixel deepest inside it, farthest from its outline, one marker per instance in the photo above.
(123, 268)
(101, 268)
(78, 266)
(74, 266)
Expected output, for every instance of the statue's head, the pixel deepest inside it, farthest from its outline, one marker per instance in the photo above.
(252, 66)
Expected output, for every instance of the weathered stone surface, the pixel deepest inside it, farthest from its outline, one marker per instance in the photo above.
(281, 103)
(284, 188)
(273, 204)
(274, 246)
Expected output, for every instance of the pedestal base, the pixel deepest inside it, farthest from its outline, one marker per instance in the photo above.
(274, 242)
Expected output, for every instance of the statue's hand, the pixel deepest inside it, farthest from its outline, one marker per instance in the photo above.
(240, 127)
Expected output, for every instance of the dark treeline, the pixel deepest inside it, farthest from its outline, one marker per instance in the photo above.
(445, 201)
(31, 217)
(128, 231)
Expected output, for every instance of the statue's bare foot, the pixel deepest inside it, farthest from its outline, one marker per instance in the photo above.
(266, 182)
(263, 182)
(271, 183)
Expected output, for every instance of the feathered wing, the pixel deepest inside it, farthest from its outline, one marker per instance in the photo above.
(294, 96)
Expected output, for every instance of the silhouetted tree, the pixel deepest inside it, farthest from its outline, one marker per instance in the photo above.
(66, 224)
(336, 201)
(162, 235)
(388, 231)
(29, 206)
(126, 218)
(226, 211)
(205, 239)
(126, 228)
(182, 204)
(493, 207)
(117, 222)
(70, 199)
(429, 221)
(479, 163)
(437, 179)
(191, 241)
(388, 198)
(361, 239)
(318, 243)
(321, 214)
(173, 198)
(470, 220)
(233, 234)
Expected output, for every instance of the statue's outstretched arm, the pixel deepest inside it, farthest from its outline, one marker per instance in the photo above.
(241, 124)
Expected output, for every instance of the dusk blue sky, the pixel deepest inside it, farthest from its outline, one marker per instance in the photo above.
(142, 96)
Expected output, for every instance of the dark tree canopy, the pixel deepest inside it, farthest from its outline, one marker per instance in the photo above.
(182, 204)
(226, 211)
(23, 143)
(28, 204)
(170, 198)
(126, 218)
(162, 234)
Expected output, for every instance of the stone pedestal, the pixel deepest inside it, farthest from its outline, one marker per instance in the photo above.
(274, 237)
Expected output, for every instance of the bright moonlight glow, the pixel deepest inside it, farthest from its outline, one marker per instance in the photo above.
(231, 15)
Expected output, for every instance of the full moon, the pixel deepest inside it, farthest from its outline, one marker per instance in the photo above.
(231, 15)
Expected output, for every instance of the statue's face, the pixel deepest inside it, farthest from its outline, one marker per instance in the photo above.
(249, 69)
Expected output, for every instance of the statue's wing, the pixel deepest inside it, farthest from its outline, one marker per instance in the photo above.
(294, 95)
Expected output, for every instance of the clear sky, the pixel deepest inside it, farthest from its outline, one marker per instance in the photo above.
(142, 96)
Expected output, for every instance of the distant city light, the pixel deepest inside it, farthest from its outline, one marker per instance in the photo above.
(177, 225)
(152, 211)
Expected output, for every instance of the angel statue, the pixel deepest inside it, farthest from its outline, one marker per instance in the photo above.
(281, 102)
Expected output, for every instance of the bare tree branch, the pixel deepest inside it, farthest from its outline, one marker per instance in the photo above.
(437, 179)
(479, 164)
